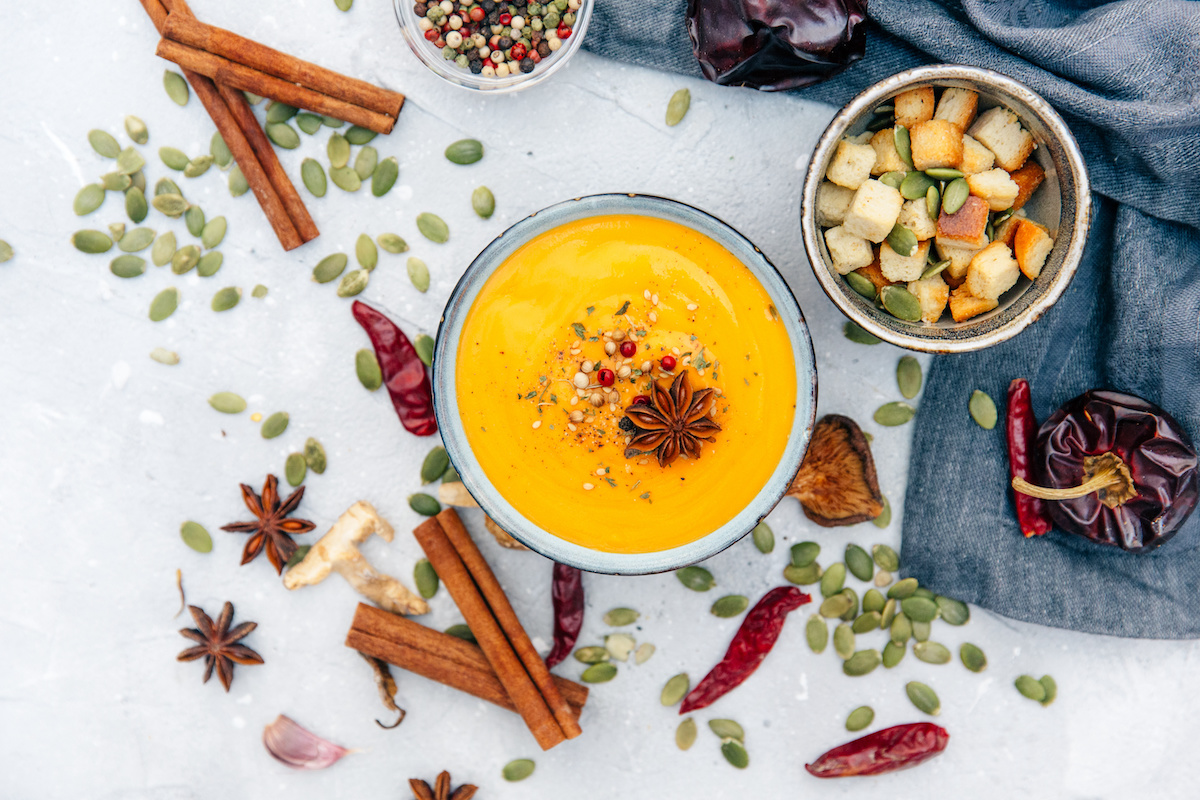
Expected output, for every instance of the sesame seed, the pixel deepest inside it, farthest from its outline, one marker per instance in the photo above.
(574, 400)
(612, 406)
(646, 294)
(692, 307)
(601, 471)
(571, 427)
(654, 299)
(588, 487)
(628, 468)
(643, 461)
(700, 372)
(578, 344)
(652, 316)
(537, 424)
(628, 439)
(675, 350)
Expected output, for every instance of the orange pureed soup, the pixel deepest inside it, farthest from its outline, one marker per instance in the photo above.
(533, 360)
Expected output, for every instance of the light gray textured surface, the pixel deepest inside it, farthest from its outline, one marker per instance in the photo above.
(103, 453)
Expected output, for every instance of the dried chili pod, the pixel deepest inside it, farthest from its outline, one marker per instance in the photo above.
(888, 750)
(1021, 427)
(1121, 471)
(753, 640)
(566, 590)
(403, 371)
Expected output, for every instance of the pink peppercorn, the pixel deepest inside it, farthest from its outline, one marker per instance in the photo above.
(505, 19)
(564, 32)
(432, 34)
(477, 14)
(517, 52)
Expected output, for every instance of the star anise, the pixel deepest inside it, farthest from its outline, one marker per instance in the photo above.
(674, 423)
(272, 531)
(218, 644)
(441, 789)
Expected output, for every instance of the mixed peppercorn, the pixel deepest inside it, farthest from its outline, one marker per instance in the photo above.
(497, 39)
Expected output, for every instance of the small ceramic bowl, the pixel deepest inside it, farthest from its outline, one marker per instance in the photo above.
(432, 57)
(1063, 204)
(445, 400)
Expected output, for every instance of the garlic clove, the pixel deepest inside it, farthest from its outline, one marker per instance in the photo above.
(298, 747)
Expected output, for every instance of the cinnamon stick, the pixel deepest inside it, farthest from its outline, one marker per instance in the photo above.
(239, 76)
(194, 33)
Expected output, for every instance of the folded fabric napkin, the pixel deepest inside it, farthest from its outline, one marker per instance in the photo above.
(1126, 77)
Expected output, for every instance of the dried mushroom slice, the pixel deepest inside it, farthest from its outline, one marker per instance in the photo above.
(836, 484)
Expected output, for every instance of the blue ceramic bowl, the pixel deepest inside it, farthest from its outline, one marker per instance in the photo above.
(445, 398)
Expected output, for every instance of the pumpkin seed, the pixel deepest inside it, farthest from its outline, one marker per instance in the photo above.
(735, 753)
(115, 182)
(338, 150)
(461, 631)
(908, 377)
(901, 303)
(591, 655)
(424, 504)
(805, 553)
(850, 613)
(436, 462)
(224, 300)
(104, 143)
(298, 556)
(861, 663)
(163, 250)
(884, 110)
(932, 652)
(1029, 686)
(164, 304)
(677, 107)
(345, 178)
(730, 606)
(366, 252)
(933, 200)
(314, 456)
(887, 559)
(483, 202)
(888, 614)
(885, 516)
(921, 591)
(425, 578)
(903, 144)
(764, 537)
(860, 718)
(227, 403)
(167, 186)
(860, 285)
(138, 179)
(727, 729)
(972, 657)
(194, 217)
(280, 112)
(685, 734)
(989, 230)
(599, 673)
(873, 601)
(901, 630)
(859, 563)
(698, 579)
(220, 151)
(835, 606)
(619, 617)
(174, 159)
(521, 768)
(619, 645)
(866, 622)
(366, 365)
(198, 166)
(803, 576)
(196, 537)
(902, 241)
(6, 251)
(919, 609)
(332, 122)
(330, 267)
(915, 186)
(238, 185)
(903, 589)
(893, 653)
(353, 283)
(366, 161)
(894, 413)
(89, 199)
(956, 193)
(923, 697)
(136, 240)
(164, 356)
(210, 263)
(214, 232)
(921, 631)
(127, 266)
(935, 268)
(384, 177)
(295, 468)
(275, 425)
(816, 633)
(185, 259)
(954, 612)
(882, 578)
(129, 161)
(854, 332)
(357, 135)
(643, 653)
(313, 176)
(176, 86)
(1051, 687)
(983, 410)
(309, 123)
(172, 205)
(433, 227)
(833, 580)
(392, 243)
(135, 204)
(675, 689)
(136, 130)
(418, 273)
(893, 179)
(464, 151)
(423, 344)
(283, 135)
(943, 173)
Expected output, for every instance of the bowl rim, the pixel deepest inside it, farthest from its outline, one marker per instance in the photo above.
(492, 500)
(831, 282)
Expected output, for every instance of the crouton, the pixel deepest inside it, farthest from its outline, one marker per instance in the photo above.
(995, 187)
(886, 157)
(932, 293)
(874, 274)
(851, 164)
(960, 255)
(952, 281)
(1032, 245)
(873, 211)
(1028, 178)
(860, 138)
(976, 157)
(1006, 230)
(832, 201)
(849, 252)
(957, 106)
(993, 271)
(913, 106)
(936, 143)
(897, 268)
(964, 305)
(1000, 131)
(965, 225)
(914, 215)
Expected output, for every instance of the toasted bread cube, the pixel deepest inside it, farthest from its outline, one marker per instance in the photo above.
(965, 225)
(851, 164)
(976, 157)
(932, 293)
(896, 267)
(913, 106)
(1028, 178)
(993, 272)
(1006, 230)
(957, 106)
(1000, 131)
(936, 143)
(1032, 245)
(874, 274)
(914, 215)
(995, 187)
(952, 281)
(873, 211)
(849, 252)
(887, 159)
(832, 201)
(964, 305)
(860, 138)
(960, 254)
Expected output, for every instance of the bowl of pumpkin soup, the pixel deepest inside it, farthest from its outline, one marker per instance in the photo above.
(624, 383)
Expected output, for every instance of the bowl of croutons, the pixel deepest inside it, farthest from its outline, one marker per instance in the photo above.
(946, 208)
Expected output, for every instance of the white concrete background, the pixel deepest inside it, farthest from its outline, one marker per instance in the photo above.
(103, 453)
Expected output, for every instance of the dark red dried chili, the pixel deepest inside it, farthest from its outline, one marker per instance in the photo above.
(753, 640)
(1021, 424)
(566, 590)
(403, 371)
(888, 750)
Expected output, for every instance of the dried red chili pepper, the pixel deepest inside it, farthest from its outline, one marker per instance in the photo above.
(749, 647)
(1122, 470)
(888, 750)
(1021, 424)
(567, 592)
(403, 371)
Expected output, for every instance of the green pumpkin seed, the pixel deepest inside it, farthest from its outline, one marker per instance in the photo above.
(91, 241)
(127, 266)
(908, 377)
(619, 617)
(130, 161)
(836, 606)
(956, 193)
(166, 186)
(209, 264)
(135, 204)
(114, 182)
(522, 768)
(483, 202)
(198, 166)
(309, 123)
(933, 200)
(424, 504)
(275, 425)
(943, 173)
(173, 158)
(366, 161)
(983, 410)
(185, 259)
(935, 268)
(685, 734)
(932, 652)
(214, 232)
(313, 176)
(903, 589)
(283, 135)
(238, 185)
(859, 563)
(919, 609)
(989, 230)
(954, 612)
(425, 578)
(418, 273)
(298, 556)
(196, 537)
(861, 663)
(461, 631)
(1030, 687)
(164, 356)
(763, 537)
(280, 112)
(353, 283)
(176, 86)
(677, 107)
(921, 631)
(330, 267)
(867, 622)
(392, 243)
(220, 151)
(194, 217)
(619, 646)
(860, 718)
(314, 456)
(338, 150)
(860, 285)
(366, 252)
(163, 250)
(358, 136)
(465, 151)
(901, 630)
(1051, 687)
(803, 576)
(136, 129)
(384, 177)
(136, 240)
(172, 205)
(850, 613)
(591, 655)
(893, 653)
(901, 303)
(433, 227)
(727, 729)
(89, 199)
(164, 304)
(138, 180)
(887, 559)
(675, 689)
(816, 633)
(698, 579)
(599, 673)
(923, 697)
(894, 413)
(104, 143)
(884, 110)
(436, 462)
(902, 241)
(805, 553)
(730, 606)
(735, 753)
(345, 178)
(915, 186)
(224, 300)
(423, 344)
(332, 122)
(893, 179)
(921, 591)
(972, 657)
(369, 373)
(903, 144)
(889, 614)
(873, 601)
(295, 468)
(833, 580)
(854, 332)
(6, 251)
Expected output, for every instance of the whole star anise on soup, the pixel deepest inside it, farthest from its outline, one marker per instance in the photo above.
(673, 423)
(271, 530)
(218, 644)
